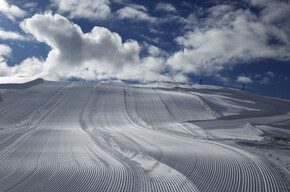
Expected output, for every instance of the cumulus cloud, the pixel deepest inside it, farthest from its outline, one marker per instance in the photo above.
(4, 69)
(70, 46)
(155, 51)
(10, 35)
(88, 9)
(135, 13)
(97, 55)
(5, 50)
(11, 11)
(30, 67)
(167, 7)
(227, 36)
(244, 79)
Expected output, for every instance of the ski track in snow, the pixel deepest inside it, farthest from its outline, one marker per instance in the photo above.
(103, 137)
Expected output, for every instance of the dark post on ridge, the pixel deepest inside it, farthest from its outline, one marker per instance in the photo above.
(200, 81)
(243, 87)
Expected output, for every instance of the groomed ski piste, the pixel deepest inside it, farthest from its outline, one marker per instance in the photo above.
(84, 136)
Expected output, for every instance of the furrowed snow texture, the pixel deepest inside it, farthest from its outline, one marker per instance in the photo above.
(103, 137)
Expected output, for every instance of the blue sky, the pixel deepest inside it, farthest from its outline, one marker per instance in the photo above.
(226, 43)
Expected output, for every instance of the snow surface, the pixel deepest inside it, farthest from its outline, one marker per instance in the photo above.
(61, 136)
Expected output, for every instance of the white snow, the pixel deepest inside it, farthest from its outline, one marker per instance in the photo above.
(61, 136)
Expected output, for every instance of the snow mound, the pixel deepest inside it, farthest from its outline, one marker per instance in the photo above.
(205, 105)
(252, 129)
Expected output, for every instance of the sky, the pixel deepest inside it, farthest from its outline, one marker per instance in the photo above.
(225, 43)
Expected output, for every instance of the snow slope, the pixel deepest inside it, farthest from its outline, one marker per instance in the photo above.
(61, 136)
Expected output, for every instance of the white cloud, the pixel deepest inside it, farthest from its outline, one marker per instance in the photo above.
(11, 11)
(89, 9)
(5, 50)
(71, 46)
(31, 67)
(257, 76)
(265, 80)
(153, 50)
(10, 35)
(97, 55)
(4, 69)
(138, 7)
(267, 77)
(244, 79)
(227, 37)
(275, 13)
(186, 4)
(168, 7)
(135, 13)
(30, 5)
(270, 74)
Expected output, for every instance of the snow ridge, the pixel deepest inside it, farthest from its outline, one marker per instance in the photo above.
(205, 105)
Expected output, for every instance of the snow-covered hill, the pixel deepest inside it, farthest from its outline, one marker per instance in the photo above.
(62, 136)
